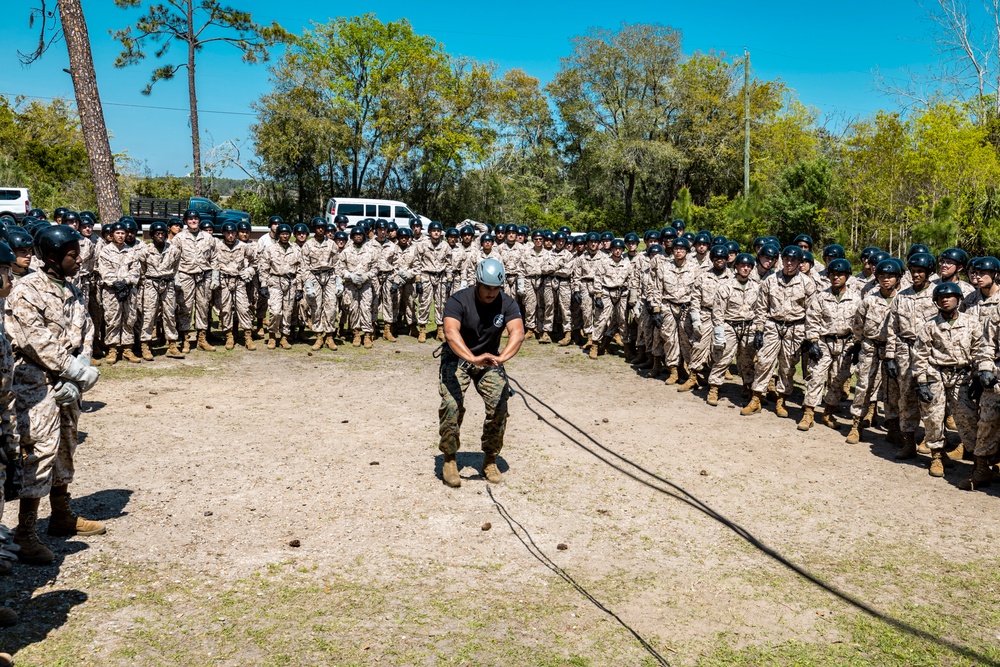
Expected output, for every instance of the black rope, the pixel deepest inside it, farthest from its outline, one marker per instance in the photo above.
(688, 498)
(535, 551)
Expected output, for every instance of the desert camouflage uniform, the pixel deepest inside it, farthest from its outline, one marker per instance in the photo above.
(280, 270)
(981, 307)
(559, 292)
(611, 283)
(986, 358)
(871, 326)
(383, 278)
(48, 325)
(780, 314)
(702, 301)
(456, 270)
(943, 357)
(672, 290)
(235, 272)
(159, 295)
(733, 312)
(828, 321)
(433, 261)
(491, 384)
(319, 262)
(118, 263)
(584, 269)
(360, 262)
(533, 264)
(194, 293)
(511, 256)
(910, 310)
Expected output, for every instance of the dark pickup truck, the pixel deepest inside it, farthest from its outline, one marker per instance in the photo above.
(145, 210)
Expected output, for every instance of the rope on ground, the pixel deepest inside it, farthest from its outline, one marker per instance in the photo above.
(525, 537)
(678, 493)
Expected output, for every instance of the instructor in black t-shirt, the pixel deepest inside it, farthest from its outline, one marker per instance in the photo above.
(474, 320)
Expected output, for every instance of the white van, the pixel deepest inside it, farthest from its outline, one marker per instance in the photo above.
(15, 202)
(357, 209)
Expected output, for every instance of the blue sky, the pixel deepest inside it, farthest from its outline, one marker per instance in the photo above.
(825, 52)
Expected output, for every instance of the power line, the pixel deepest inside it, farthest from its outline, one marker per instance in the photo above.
(139, 106)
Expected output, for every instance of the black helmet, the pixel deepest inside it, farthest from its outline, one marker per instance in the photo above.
(205, 224)
(467, 230)
(415, 221)
(275, 220)
(868, 251)
(808, 257)
(7, 255)
(402, 233)
(319, 221)
(607, 236)
(451, 231)
(18, 238)
(631, 237)
(985, 264)
(745, 258)
(116, 226)
(956, 255)
(300, 228)
(487, 237)
(617, 243)
(678, 224)
(131, 225)
(341, 220)
(887, 266)
(435, 225)
(71, 216)
(593, 237)
(651, 234)
(733, 246)
(921, 260)
(834, 251)
(244, 226)
(792, 252)
(947, 289)
(702, 237)
(668, 234)
(548, 235)
(839, 265)
(655, 249)
(580, 240)
(719, 240)
(37, 213)
(804, 238)
(381, 223)
(915, 248)
(719, 252)
(341, 235)
(52, 240)
(524, 230)
(537, 234)
(27, 220)
(284, 229)
(59, 212)
(689, 236)
(230, 226)
(358, 230)
(878, 256)
(565, 230)
(393, 227)
(759, 241)
(561, 236)
(191, 213)
(88, 214)
(681, 242)
(769, 250)
(175, 221)
(158, 226)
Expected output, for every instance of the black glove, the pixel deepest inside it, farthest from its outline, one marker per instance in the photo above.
(892, 369)
(988, 378)
(814, 351)
(855, 353)
(758, 340)
(975, 390)
(924, 392)
(599, 302)
(577, 298)
(658, 319)
(298, 295)
(420, 289)
(264, 292)
(448, 285)
(393, 288)
(119, 285)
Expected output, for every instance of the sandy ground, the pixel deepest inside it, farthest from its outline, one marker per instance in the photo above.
(207, 469)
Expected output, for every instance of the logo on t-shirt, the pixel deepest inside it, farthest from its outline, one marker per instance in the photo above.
(498, 320)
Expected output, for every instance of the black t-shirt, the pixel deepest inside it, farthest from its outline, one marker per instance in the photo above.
(482, 324)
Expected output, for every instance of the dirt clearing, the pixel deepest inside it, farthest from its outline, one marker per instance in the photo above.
(285, 508)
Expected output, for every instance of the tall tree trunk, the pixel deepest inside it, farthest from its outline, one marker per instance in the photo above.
(88, 105)
(193, 102)
(629, 192)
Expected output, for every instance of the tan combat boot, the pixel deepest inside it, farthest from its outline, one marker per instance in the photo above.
(112, 356)
(656, 368)
(529, 334)
(753, 407)
(949, 423)
(32, 550)
(185, 343)
(690, 383)
(672, 377)
(490, 470)
(779, 406)
(203, 343)
(936, 468)
(422, 336)
(807, 420)
(545, 339)
(368, 342)
(440, 333)
(126, 355)
(285, 345)
(908, 448)
(956, 454)
(387, 333)
(271, 343)
(566, 339)
(63, 522)
(982, 475)
(172, 351)
(869, 420)
(593, 352)
(449, 472)
(617, 340)
(248, 340)
(356, 342)
(230, 340)
(331, 344)
(318, 345)
(147, 354)
(713, 395)
(827, 419)
(854, 437)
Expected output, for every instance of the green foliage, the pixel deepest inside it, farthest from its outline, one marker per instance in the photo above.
(798, 205)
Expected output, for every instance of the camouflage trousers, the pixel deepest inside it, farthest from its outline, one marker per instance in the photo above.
(194, 299)
(738, 346)
(433, 292)
(116, 317)
(701, 348)
(491, 384)
(406, 303)
(47, 431)
(675, 335)
(325, 304)
(782, 345)
(988, 430)
(233, 305)
(909, 404)
(873, 382)
(534, 296)
(827, 376)
(556, 299)
(384, 299)
(159, 300)
(281, 303)
(612, 316)
(951, 394)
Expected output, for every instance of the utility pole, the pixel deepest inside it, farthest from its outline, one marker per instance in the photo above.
(746, 130)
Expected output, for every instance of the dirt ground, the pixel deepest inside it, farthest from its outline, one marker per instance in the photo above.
(209, 470)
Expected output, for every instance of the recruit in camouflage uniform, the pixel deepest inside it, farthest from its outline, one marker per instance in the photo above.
(612, 285)
(673, 283)
(705, 288)
(534, 260)
(194, 282)
(280, 267)
(732, 327)
(985, 358)
(158, 262)
(433, 258)
(584, 289)
(384, 288)
(323, 287)
(559, 292)
(119, 271)
(358, 261)
(236, 270)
